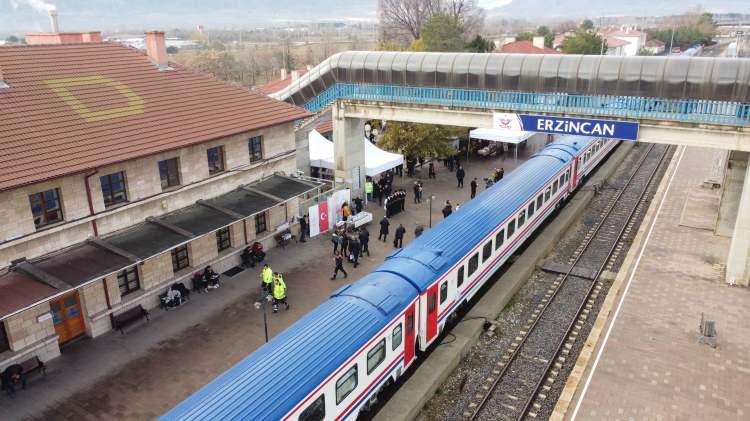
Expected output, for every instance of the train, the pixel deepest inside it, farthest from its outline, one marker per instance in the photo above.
(332, 363)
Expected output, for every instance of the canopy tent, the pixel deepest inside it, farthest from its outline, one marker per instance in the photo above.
(376, 160)
(512, 137)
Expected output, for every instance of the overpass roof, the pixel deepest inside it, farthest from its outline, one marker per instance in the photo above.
(673, 77)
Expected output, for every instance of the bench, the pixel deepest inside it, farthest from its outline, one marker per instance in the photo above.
(31, 366)
(129, 317)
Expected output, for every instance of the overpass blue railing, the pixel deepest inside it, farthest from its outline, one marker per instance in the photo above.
(677, 110)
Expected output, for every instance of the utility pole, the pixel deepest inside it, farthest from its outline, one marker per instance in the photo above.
(671, 41)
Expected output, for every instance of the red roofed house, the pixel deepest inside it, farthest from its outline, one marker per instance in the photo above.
(279, 84)
(634, 38)
(616, 46)
(121, 174)
(527, 47)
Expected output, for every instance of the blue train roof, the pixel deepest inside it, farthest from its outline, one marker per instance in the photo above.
(385, 291)
(439, 249)
(312, 348)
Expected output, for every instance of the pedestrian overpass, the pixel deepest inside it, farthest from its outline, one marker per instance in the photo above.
(695, 101)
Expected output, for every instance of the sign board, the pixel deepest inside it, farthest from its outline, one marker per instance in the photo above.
(612, 129)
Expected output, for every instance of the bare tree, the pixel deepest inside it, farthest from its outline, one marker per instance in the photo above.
(408, 16)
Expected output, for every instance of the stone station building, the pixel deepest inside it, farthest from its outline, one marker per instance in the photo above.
(121, 174)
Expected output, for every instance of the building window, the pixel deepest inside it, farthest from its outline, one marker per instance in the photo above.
(346, 384)
(169, 171)
(46, 207)
(113, 189)
(255, 147)
(128, 280)
(316, 411)
(215, 160)
(180, 259)
(375, 356)
(223, 239)
(4, 344)
(260, 223)
(396, 337)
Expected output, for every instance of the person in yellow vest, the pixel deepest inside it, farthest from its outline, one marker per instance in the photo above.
(279, 292)
(369, 189)
(266, 275)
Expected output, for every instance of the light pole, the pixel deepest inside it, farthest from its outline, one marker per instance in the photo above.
(431, 199)
(261, 304)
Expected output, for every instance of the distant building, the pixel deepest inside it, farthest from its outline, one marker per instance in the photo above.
(634, 38)
(655, 46)
(277, 85)
(616, 46)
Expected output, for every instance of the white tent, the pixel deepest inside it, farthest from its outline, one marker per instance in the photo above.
(500, 135)
(513, 137)
(376, 159)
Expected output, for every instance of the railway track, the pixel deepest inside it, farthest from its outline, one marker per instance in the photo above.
(521, 379)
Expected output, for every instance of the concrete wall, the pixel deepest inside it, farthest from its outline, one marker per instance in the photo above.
(28, 336)
(146, 198)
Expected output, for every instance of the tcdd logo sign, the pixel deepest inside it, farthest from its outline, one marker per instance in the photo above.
(626, 130)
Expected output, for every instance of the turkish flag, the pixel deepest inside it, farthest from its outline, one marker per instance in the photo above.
(323, 216)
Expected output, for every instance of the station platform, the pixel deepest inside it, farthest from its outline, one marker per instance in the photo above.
(646, 358)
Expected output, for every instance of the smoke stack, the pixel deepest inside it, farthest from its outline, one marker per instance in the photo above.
(53, 19)
(156, 49)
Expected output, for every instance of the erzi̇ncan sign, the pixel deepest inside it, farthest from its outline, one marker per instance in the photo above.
(613, 129)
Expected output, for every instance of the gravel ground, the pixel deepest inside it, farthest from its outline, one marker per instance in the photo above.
(453, 397)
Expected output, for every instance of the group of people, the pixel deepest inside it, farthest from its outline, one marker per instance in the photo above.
(497, 175)
(12, 378)
(395, 203)
(175, 296)
(351, 242)
(448, 208)
(398, 239)
(418, 187)
(384, 187)
(208, 279)
(274, 286)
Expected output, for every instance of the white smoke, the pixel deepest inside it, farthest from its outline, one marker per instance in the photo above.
(40, 6)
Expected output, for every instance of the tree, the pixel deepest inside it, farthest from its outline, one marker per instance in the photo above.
(587, 25)
(415, 140)
(408, 17)
(12, 39)
(525, 36)
(480, 45)
(643, 51)
(442, 33)
(545, 32)
(172, 49)
(584, 43)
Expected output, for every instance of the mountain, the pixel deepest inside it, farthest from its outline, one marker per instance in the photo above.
(22, 15)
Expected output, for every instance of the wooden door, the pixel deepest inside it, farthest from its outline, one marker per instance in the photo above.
(432, 313)
(67, 317)
(409, 336)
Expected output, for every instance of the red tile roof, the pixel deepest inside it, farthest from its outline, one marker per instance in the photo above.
(325, 127)
(278, 84)
(526, 47)
(18, 290)
(655, 43)
(71, 108)
(616, 42)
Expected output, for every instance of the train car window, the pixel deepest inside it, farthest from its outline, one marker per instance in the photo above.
(443, 292)
(547, 193)
(562, 180)
(540, 201)
(410, 324)
(487, 251)
(460, 277)
(531, 210)
(431, 303)
(396, 337)
(499, 239)
(375, 356)
(567, 174)
(511, 228)
(346, 384)
(521, 218)
(554, 187)
(316, 411)
(473, 263)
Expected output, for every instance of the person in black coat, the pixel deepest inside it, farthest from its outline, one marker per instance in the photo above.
(384, 223)
(11, 378)
(364, 241)
(304, 225)
(460, 174)
(448, 209)
(431, 170)
(356, 249)
(398, 242)
(357, 204)
(473, 186)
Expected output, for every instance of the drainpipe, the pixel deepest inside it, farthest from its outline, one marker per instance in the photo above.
(90, 200)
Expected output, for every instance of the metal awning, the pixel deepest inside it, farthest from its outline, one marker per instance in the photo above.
(284, 187)
(81, 263)
(198, 219)
(19, 290)
(146, 240)
(244, 202)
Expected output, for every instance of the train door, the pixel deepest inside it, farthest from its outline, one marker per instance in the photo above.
(575, 174)
(432, 313)
(409, 336)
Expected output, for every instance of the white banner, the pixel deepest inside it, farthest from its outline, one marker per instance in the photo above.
(334, 205)
(507, 121)
(314, 219)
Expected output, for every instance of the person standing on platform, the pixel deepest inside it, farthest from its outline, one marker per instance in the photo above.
(335, 240)
(384, 223)
(431, 170)
(448, 209)
(418, 231)
(416, 191)
(403, 199)
(450, 164)
(266, 277)
(364, 241)
(303, 227)
(369, 187)
(460, 174)
(501, 174)
(339, 266)
(279, 292)
(398, 242)
(356, 249)
(357, 205)
(473, 186)
(378, 191)
(345, 211)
